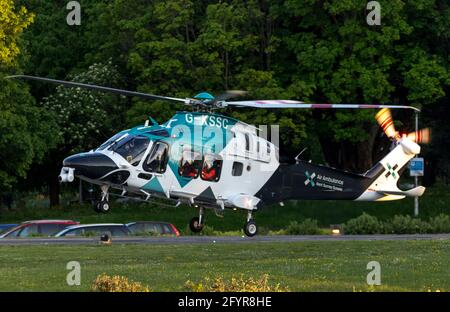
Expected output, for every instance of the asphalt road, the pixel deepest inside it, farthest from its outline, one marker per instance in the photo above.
(221, 239)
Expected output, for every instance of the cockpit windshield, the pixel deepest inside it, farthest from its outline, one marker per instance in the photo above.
(132, 148)
(110, 141)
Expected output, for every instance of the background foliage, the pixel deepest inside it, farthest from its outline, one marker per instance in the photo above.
(315, 50)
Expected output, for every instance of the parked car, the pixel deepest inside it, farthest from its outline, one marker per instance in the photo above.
(153, 228)
(110, 229)
(38, 228)
(6, 227)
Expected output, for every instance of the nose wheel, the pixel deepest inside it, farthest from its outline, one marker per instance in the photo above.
(102, 206)
(197, 223)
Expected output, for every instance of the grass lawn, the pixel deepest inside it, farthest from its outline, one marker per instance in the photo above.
(302, 266)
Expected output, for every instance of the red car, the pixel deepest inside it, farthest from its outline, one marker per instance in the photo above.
(38, 228)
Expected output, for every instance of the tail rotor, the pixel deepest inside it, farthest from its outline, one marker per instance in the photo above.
(384, 119)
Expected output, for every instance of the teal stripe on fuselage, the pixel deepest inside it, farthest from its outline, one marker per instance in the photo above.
(204, 132)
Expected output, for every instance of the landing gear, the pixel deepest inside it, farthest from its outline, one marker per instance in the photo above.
(102, 206)
(95, 206)
(197, 223)
(250, 227)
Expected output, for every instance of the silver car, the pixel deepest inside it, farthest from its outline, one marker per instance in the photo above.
(83, 230)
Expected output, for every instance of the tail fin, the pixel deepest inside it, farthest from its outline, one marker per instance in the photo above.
(384, 186)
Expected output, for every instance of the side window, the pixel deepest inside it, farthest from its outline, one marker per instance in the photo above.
(247, 142)
(49, 229)
(14, 233)
(76, 232)
(157, 158)
(117, 231)
(212, 167)
(29, 231)
(99, 230)
(268, 148)
(238, 167)
(153, 228)
(91, 231)
(137, 228)
(190, 164)
(167, 229)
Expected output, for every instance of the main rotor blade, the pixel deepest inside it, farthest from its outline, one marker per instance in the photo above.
(229, 94)
(299, 104)
(103, 89)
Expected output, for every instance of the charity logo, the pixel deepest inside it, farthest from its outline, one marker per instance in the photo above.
(391, 170)
(310, 178)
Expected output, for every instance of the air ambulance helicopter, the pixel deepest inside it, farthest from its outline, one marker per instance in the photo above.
(211, 161)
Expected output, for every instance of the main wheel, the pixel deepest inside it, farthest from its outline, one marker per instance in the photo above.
(103, 206)
(95, 206)
(250, 228)
(195, 225)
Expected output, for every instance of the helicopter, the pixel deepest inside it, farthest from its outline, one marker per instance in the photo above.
(211, 161)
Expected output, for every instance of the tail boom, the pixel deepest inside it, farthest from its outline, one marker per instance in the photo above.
(308, 181)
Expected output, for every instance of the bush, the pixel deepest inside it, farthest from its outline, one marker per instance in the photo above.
(364, 224)
(307, 227)
(235, 284)
(105, 283)
(440, 224)
(407, 225)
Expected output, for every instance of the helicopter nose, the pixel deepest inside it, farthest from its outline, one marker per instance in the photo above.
(90, 165)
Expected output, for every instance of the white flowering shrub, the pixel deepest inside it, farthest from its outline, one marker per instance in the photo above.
(86, 118)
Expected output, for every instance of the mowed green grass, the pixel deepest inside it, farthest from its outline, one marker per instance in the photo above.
(435, 201)
(301, 266)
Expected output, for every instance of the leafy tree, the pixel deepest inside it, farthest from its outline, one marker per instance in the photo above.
(24, 129)
(343, 60)
(178, 53)
(24, 126)
(12, 23)
(57, 50)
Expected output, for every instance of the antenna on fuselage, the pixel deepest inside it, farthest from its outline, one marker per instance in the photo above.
(298, 155)
(154, 122)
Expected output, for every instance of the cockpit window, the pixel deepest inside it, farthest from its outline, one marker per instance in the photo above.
(111, 141)
(157, 159)
(132, 148)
